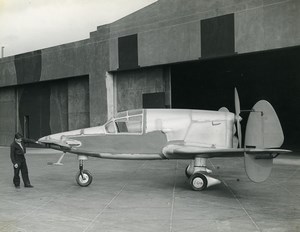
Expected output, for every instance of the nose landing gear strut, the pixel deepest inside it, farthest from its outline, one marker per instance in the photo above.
(83, 178)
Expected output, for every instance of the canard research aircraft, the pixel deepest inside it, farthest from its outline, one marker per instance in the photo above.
(179, 134)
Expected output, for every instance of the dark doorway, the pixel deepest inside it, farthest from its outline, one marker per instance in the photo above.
(272, 75)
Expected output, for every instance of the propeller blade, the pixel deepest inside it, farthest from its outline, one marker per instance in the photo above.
(239, 130)
(237, 102)
(237, 116)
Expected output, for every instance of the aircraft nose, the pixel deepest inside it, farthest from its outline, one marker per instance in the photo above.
(44, 138)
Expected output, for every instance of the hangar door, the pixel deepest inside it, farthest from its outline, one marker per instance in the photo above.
(272, 75)
(53, 106)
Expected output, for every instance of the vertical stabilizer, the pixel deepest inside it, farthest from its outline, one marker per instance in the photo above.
(263, 127)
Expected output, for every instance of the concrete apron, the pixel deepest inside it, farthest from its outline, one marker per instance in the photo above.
(147, 196)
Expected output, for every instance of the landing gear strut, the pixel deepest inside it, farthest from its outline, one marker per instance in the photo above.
(197, 172)
(83, 178)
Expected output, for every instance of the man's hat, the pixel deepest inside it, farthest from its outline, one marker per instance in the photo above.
(18, 136)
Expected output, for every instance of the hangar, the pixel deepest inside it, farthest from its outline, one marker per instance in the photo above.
(172, 53)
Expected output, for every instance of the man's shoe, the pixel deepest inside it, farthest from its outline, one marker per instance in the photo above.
(28, 186)
(17, 187)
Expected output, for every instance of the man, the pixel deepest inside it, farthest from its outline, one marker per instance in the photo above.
(17, 152)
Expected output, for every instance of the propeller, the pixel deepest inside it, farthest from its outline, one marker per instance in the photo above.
(237, 116)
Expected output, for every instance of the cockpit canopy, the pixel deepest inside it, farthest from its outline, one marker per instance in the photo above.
(128, 122)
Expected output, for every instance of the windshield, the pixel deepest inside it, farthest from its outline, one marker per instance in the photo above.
(110, 127)
(129, 122)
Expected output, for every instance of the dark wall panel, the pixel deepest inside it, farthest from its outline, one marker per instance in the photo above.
(273, 76)
(28, 67)
(217, 36)
(154, 100)
(34, 104)
(128, 52)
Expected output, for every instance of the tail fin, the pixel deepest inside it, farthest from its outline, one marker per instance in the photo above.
(263, 131)
(263, 127)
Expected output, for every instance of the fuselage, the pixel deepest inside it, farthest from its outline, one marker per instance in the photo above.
(142, 134)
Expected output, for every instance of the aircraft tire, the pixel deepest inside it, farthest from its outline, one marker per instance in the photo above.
(198, 181)
(186, 172)
(84, 182)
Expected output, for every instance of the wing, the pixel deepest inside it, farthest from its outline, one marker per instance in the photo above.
(188, 151)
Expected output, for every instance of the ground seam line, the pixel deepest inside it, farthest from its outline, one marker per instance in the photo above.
(108, 204)
(173, 199)
(257, 227)
(287, 177)
(284, 188)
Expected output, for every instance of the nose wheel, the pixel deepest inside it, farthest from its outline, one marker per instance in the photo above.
(83, 178)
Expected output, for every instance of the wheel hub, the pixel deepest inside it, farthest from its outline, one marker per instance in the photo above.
(84, 178)
(198, 182)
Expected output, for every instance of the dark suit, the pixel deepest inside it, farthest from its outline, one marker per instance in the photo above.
(17, 157)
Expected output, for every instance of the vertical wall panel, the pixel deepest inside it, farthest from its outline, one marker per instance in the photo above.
(99, 64)
(7, 115)
(59, 106)
(78, 103)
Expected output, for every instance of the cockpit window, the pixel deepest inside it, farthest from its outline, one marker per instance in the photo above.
(121, 114)
(122, 125)
(135, 112)
(126, 122)
(132, 124)
(135, 124)
(110, 127)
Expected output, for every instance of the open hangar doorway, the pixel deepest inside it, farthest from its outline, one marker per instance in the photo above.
(271, 75)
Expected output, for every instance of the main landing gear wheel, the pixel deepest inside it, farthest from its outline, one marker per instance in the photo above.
(198, 181)
(84, 178)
